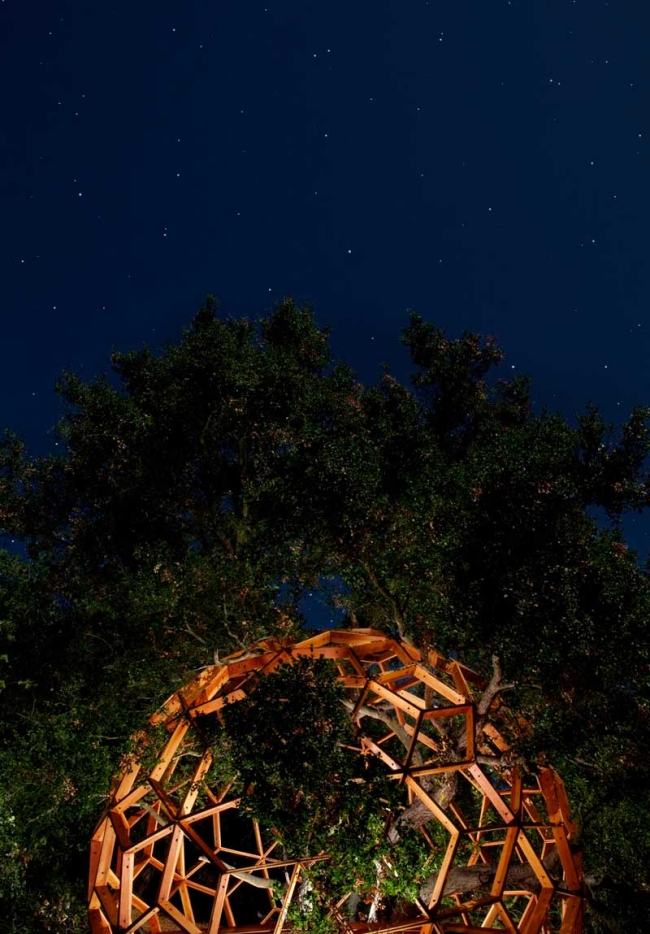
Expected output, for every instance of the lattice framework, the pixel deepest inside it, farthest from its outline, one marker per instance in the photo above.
(174, 854)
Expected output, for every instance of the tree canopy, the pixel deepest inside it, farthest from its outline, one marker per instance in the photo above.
(199, 490)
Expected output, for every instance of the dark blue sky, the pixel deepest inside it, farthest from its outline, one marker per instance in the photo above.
(485, 163)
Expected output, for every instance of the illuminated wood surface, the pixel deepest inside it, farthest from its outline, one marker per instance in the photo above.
(173, 853)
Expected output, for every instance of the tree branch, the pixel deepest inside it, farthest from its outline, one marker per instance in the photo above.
(494, 688)
(443, 791)
(398, 615)
(377, 714)
(195, 635)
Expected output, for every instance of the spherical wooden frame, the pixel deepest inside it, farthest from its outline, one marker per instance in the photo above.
(163, 858)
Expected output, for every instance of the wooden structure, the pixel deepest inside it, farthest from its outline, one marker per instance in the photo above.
(174, 854)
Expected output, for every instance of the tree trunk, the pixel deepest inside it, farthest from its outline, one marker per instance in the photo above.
(470, 880)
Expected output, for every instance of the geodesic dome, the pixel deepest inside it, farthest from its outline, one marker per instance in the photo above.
(174, 853)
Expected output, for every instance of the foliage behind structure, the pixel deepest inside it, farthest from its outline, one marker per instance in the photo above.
(201, 490)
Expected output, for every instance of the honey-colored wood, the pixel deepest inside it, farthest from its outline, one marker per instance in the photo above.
(169, 854)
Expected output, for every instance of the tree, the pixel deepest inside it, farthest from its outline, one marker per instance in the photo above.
(201, 489)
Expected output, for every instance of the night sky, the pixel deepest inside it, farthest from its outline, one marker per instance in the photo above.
(485, 163)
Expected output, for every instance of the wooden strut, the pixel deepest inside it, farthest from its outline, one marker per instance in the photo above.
(174, 854)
